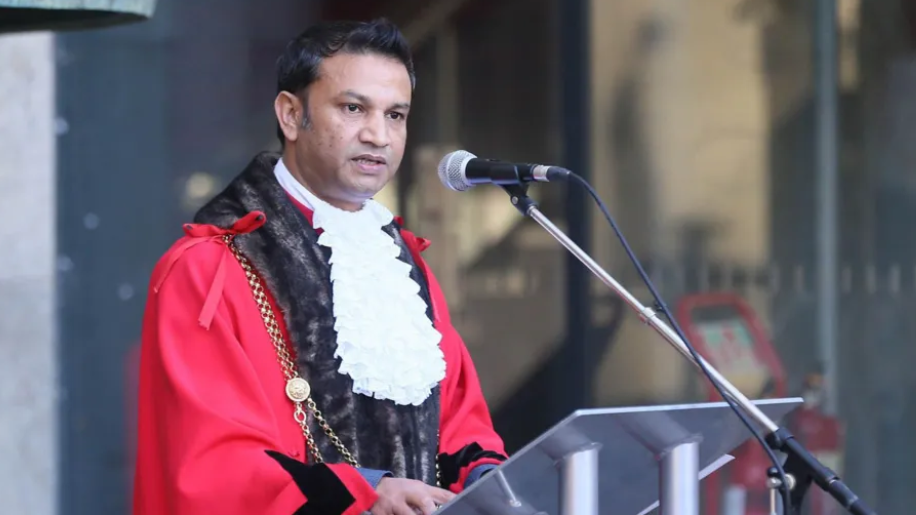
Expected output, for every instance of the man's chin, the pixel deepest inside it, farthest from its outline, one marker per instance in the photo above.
(368, 187)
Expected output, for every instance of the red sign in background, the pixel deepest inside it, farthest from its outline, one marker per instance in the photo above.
(725, 330)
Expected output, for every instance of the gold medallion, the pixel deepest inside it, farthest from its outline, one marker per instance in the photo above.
(298, 389)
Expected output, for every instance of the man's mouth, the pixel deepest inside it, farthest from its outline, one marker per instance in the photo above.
(370, 160)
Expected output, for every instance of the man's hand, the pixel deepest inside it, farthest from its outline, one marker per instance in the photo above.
(408, 497)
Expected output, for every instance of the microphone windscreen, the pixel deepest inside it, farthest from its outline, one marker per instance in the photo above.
(452, 170)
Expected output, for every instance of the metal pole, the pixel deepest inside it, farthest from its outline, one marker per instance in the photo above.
(826, 163)
(579, 482)
(679, 481)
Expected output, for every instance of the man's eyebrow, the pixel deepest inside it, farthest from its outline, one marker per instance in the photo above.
(356, 96)
(365, 100)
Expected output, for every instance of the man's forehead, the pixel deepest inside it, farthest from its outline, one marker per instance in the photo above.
(368, 75)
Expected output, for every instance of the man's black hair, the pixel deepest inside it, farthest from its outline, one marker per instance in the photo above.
(297, 67)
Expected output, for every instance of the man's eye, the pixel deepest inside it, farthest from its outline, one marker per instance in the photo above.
(352, 108)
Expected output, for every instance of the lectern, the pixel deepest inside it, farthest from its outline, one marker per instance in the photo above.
(615, 461)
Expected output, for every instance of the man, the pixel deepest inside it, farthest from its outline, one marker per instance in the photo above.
(297, 353)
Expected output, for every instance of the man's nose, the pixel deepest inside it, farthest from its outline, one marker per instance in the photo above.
(375, 132)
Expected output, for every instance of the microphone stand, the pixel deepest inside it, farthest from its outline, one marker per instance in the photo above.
(801, 467)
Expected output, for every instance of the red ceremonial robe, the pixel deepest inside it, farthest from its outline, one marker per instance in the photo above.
(212, 402)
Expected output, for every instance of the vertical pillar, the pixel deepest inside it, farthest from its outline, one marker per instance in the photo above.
(579, 482)
(679, 484)
(574, 389)
(826, 87)
(28, 364)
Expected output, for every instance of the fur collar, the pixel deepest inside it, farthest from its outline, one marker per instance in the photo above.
(285, 253)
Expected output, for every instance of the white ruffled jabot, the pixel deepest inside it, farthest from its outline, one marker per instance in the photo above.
(385, 341)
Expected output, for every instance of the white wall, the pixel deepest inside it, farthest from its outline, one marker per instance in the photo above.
(28, 374)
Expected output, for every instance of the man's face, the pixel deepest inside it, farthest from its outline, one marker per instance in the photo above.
(354, 141)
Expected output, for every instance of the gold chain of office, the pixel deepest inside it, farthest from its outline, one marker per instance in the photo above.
(297, 389)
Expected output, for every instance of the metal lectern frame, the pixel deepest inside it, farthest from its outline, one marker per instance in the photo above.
(614, 461)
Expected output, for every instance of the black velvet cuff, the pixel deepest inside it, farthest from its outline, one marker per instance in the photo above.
(325, 493)
(450, 465)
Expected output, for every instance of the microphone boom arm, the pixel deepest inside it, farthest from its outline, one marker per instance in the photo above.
(800, 464)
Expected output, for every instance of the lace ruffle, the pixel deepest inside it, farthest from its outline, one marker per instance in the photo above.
(385, 341)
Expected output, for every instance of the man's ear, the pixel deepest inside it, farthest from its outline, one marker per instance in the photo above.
(290, 112)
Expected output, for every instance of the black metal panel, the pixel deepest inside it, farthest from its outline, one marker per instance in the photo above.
(574, 387)
(141, 109)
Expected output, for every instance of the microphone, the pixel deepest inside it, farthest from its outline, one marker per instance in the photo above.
(461, 170)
